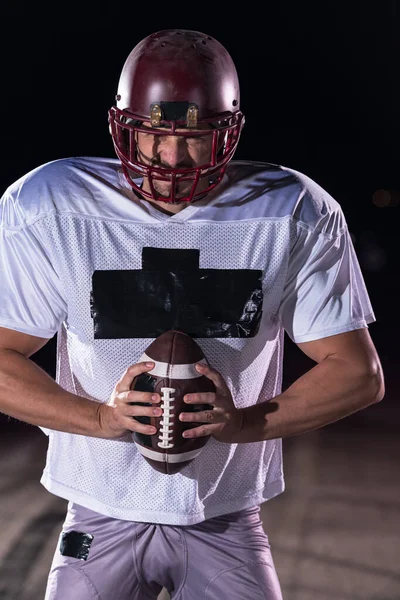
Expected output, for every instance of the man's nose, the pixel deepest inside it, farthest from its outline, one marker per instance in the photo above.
(174, 151)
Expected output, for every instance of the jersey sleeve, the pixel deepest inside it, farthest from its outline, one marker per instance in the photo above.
(31, 297)
(325, 293)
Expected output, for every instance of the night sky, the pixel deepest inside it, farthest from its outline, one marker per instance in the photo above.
(319, 89)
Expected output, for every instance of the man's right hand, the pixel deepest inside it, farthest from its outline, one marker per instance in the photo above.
(117, 416)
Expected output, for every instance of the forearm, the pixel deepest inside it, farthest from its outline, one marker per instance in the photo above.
(29, 394)
(331, 390)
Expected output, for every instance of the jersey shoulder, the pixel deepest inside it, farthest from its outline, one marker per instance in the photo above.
(65, 185)
(272, 191)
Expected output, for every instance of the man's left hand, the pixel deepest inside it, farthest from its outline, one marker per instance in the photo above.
(224, 421)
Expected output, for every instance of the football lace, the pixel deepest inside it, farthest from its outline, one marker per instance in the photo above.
(167, 405)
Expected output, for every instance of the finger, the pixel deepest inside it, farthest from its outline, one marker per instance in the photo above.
(137, 418)
(214, 376)
(204, 416)
(200, 398)
(138, 410)
(197, 432)
(134, 425)
(129, 375)
(130, 397)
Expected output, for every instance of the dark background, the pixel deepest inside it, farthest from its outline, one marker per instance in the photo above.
(319, 88)
(320, 91)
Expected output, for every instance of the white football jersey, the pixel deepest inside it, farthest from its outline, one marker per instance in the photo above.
(267, 251)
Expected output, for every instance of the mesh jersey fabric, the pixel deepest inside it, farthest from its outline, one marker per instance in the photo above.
(71, 217)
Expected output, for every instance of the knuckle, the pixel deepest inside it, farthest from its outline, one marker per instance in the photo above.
(116, 399)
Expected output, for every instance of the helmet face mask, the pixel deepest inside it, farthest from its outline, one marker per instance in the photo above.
(223, 140)
(178, 83)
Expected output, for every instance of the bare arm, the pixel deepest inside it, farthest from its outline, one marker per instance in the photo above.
(29, 394)
(347, 378)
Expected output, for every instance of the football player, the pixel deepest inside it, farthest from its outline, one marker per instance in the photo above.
(108, 253)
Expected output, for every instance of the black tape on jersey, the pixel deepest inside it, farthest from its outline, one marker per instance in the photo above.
(172, 292)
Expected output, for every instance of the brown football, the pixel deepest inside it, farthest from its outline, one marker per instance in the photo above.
(174, 375)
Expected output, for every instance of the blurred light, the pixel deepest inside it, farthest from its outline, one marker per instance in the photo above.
(383, 198)
(372, 256)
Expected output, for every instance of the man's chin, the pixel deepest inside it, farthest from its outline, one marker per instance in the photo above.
(164, 194)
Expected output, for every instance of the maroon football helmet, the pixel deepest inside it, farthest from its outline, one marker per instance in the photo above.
(181, 83)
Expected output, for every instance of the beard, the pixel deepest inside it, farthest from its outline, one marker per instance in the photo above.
(163, 189)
